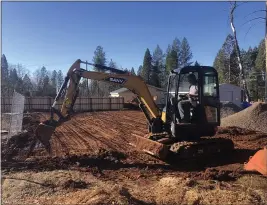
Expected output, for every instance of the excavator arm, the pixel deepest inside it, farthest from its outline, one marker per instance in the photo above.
(133, 83)
(70, 89)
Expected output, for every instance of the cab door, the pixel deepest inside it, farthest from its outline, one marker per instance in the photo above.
(210, 98)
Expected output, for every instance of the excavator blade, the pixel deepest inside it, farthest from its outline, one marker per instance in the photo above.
(151, 147)
(258, 162)
(44, 132)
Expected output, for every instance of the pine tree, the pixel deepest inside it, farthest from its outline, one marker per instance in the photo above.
(47, 89)
(139, 71)
(98, 88)
(197, 64)
(4, 68)
(186, 54)
(234, 69)
(168, 50)
(176, 46)
(99, 57)
(132, 71)
(60, 79)
(13, 77)
(112, 64)
(54, 81)
(261, 57)
(147, 64)
(171, 61)
(219, 65)
(27, 85)
(4, 76)
(158, 70)
(19, 86)
(226, 61)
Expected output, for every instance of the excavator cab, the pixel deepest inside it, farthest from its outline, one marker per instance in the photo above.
(202, 109)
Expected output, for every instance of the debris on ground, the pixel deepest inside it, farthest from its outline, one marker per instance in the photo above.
(229, 108)
(18, 146)
(252, 118)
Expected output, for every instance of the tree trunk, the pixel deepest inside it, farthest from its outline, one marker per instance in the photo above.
(244, 84)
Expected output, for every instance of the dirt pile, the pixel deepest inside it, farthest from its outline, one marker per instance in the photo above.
(18, 146)
(229, 108)
(252, 118)
(101, 158)
(74, 184)
(220, 175)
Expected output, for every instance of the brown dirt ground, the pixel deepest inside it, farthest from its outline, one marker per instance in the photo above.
(93, 163)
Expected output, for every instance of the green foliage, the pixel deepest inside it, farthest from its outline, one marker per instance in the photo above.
(185, 55)
(260, 62)
(60, 79)
(176, 45)
(147, 65)
(27, 85)
(4, 68)
(99, 57)
(171, 61)
(219, 65)
(253, 61)
(158, 70)
(226, 62)
(132, 71)
(139, 71)
(256, 85)
(4, 76)
(234, 69)
(196, 64)
(112, 64)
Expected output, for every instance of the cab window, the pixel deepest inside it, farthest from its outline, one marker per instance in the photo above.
(209, 84)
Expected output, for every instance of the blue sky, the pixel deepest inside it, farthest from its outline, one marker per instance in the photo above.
(55, 34)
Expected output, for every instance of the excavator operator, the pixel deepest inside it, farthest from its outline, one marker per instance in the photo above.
(184, 105)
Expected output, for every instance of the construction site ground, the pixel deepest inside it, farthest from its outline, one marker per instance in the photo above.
(92, 162)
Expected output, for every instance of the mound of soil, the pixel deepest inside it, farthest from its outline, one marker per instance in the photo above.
(18, 146)
(74, 184)
(220, 175)
(229, 108)
(231, 130)
(99, 159)
(252, 118)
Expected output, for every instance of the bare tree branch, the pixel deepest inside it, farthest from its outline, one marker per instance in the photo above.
(233, 8)
(255, 12)
(251, 28)
(253, 20)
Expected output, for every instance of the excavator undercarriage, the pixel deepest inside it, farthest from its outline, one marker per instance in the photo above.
(167, 134)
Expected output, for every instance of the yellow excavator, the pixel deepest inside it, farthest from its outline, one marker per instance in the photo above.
(168, 131)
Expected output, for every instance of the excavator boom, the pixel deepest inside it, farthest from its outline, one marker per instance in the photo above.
(69, 92)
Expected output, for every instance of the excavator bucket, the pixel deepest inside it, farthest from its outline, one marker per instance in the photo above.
(258, 162)
(151, 147)
(44, 132)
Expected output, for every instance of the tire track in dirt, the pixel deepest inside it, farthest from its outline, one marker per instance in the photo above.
(87, 132)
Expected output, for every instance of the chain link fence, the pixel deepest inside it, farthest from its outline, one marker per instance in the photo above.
(12, 122)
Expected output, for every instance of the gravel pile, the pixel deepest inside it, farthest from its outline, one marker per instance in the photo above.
(252, 118)
(229, 108)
